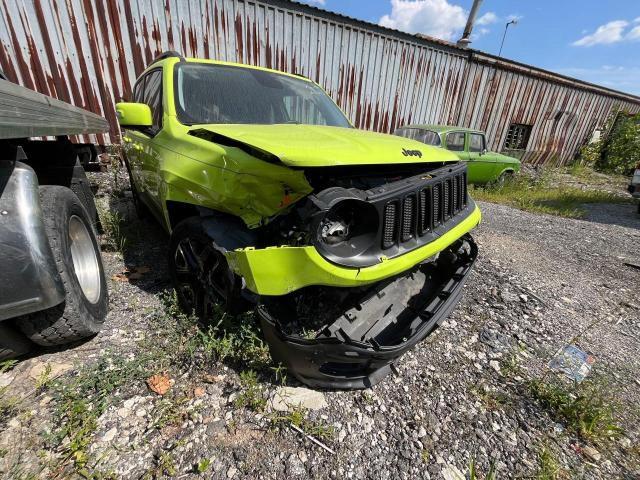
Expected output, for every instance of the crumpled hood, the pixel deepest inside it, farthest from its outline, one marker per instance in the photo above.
(321, 146)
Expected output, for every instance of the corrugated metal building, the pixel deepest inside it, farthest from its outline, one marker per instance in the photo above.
(89, 52)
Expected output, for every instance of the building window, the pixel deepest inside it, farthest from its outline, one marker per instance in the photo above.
(517, 136)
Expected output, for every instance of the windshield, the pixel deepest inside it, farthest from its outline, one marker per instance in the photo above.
(226, 94)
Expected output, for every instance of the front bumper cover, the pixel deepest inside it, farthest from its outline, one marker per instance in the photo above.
(358, 348)
(282, 270)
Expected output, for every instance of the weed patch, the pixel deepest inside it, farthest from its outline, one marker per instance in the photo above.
(252, 396)
(548, 467)
(8, 403)
(114, 236)
(539, 195)
(588, 409)
(234, 339)
(170, 411)
(298, 417)
(492, 400)
(473, 473)
(81, 401)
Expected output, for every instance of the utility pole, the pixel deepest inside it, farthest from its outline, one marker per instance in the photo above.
(465, 40)
(512, 22)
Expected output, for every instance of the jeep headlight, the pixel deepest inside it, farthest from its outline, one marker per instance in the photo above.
(348, 228)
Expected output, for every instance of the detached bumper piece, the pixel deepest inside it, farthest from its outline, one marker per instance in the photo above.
(348, 338)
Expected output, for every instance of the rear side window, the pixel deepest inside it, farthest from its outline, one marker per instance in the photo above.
(153, 97)
(476, 142)
(455, 141)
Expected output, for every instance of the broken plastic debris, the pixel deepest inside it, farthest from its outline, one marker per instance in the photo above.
(573, 362)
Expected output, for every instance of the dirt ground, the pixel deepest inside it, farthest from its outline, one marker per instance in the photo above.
(469, 394)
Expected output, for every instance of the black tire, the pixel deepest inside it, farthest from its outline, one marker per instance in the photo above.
(78, 316)
(639, 207)
(200, 273)
(504, 178)
(12, 343)
(69, 173)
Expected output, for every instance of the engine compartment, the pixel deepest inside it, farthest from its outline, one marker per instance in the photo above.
(398, 211)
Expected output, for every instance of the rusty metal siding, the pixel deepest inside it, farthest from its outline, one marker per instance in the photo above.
(89, 53)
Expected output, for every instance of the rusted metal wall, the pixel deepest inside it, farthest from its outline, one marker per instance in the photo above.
(89, 52)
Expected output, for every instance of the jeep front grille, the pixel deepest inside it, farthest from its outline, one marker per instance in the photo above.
(389, 227)
(424, 211)
(408, 217)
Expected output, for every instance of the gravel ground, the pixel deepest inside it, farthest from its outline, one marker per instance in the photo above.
(541, 282)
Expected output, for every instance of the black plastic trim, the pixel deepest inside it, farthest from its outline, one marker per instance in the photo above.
(396, 192)
(341, 362)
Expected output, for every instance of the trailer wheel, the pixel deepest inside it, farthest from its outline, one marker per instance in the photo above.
(69, 173)
(77, 256)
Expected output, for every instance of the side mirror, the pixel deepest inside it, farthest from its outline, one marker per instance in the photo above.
(484, 150)
(134, 114)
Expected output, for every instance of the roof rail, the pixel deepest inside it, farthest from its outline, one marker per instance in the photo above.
(167, 54)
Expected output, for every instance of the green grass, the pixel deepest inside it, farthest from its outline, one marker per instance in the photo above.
(114, 235)
(473, 474)
(171, 410)
(298, 417)
(233, 339)
(540, 195)
(548, 467)
(252, 396)
(9, 405)
(80, 402)
(202, 466)
(587, 409)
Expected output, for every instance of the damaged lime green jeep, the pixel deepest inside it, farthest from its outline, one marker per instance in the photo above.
(352, 246)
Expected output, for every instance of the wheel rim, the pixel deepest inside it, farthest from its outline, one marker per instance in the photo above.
(85, 259)
(202, 276)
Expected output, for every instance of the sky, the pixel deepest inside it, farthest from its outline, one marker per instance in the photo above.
(593, 40)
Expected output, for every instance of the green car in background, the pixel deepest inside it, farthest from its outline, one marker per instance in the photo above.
(470, 145)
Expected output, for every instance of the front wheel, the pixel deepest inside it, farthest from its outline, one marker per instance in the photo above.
(77, 256)
(200, 273)
(504, 178)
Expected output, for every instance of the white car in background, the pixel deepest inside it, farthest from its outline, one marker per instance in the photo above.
(634, 186)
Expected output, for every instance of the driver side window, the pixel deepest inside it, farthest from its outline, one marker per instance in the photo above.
(153, 97)
(476, 142)
(455, 141)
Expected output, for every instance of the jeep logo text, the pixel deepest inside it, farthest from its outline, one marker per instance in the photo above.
(411, 153)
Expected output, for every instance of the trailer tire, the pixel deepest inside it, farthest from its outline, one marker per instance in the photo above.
(84, 309)
(69, 173)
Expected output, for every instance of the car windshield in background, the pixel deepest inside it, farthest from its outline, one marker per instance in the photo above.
(226, 94)
(424, 136)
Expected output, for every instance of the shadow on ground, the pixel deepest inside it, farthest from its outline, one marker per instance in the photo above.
(621, 214)
(145, 246)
